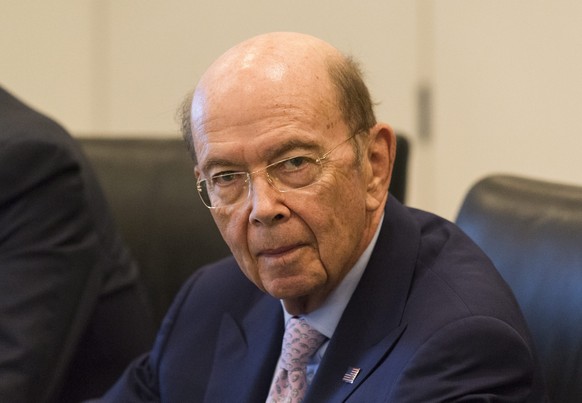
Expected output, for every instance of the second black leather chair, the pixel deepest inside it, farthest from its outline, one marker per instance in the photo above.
(532, 230)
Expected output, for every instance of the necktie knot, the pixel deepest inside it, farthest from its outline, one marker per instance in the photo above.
(300, 342)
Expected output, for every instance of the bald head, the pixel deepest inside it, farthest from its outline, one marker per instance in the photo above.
(273, 57)
(270, 69)
(262, 70)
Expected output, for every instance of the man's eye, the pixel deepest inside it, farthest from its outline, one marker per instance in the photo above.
(296, 163)
(226, 178)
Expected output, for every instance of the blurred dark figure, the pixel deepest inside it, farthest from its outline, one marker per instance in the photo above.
(72, 311)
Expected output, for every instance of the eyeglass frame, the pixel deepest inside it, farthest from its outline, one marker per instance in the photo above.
(248, 183)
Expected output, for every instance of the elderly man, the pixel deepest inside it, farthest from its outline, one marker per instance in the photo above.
(381, 303)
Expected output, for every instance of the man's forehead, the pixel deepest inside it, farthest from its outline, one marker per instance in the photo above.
(285, 108)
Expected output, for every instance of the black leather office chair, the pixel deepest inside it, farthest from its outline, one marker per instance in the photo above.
(532, 230)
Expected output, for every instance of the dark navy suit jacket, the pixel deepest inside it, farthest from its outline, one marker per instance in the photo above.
(431, 320)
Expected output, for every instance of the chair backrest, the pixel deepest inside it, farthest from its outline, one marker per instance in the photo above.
(532, 231)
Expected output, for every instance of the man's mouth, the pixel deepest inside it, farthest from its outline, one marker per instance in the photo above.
(279, 251)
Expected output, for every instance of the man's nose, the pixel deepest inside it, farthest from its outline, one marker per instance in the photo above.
(267, 205)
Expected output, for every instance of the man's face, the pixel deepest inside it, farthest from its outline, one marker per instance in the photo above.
(298, 245)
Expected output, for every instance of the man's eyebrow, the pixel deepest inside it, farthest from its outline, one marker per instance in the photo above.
(291, 145)
(217, 162)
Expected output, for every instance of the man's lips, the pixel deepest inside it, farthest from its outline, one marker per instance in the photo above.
(279, 251)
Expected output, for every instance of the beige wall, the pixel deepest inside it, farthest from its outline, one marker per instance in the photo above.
(124, 66)
(505, 74)
(508, 93)
(46, 57)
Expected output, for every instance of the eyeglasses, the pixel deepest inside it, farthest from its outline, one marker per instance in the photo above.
(293, 173)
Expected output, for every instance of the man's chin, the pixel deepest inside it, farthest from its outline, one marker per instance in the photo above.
(289, 289)
(297, 299)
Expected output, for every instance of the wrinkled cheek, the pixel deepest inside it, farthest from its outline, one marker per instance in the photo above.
(231, 229)
(234, 233)
(341, 240)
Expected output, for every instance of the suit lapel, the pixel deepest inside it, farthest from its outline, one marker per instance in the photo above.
(371, 324)
(247, 351)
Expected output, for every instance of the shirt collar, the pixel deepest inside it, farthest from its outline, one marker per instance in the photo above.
(325, 318)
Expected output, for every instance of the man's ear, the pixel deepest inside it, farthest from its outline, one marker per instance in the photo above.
(380, 157)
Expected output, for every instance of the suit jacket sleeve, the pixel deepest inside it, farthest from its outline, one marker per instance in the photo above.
(47, 246)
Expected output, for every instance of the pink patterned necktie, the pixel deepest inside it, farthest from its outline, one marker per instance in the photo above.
(300, 342)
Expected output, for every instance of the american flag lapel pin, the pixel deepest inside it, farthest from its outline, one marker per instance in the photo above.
(351, 374)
